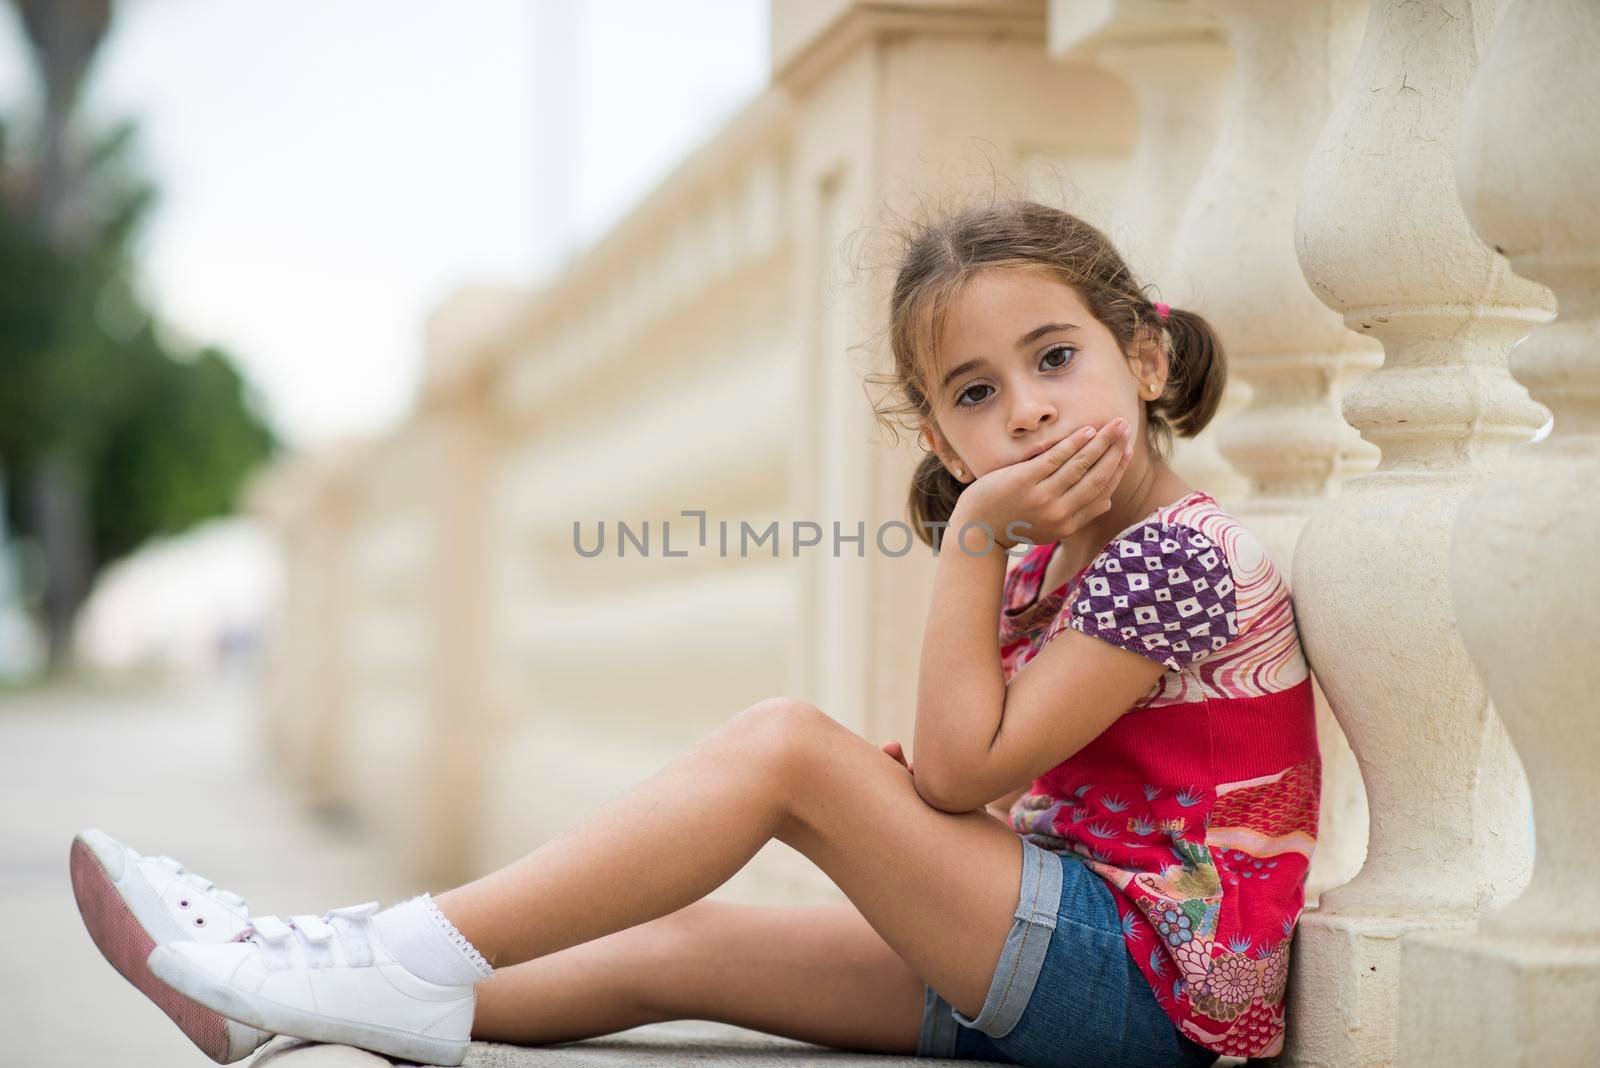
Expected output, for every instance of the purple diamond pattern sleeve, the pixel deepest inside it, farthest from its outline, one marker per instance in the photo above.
(1162, 590)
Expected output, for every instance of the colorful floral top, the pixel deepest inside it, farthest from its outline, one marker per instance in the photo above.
(1198, 806)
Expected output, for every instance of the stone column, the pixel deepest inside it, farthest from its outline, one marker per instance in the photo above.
(304, 726)
(464, 731)
(1525, 569)
(1382, 240)
(1175, 61)
(1234, 261)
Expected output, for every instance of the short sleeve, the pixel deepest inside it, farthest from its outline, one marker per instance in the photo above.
(1162, 590)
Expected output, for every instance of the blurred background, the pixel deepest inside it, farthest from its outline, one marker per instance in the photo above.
(224, 225)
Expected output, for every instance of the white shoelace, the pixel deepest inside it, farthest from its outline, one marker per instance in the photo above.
(314, 936)
(200, 882)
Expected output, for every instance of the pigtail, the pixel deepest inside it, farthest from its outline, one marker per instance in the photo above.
(1198, 374)
(934, 492)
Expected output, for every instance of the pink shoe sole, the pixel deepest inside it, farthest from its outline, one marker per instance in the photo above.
(126, 946)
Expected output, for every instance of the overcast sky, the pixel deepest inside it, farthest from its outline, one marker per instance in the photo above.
(329, 170)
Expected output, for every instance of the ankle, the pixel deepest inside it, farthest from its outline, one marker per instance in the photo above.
(425, 941)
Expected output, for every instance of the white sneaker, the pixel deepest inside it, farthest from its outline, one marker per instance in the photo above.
(132, 903)
(330, 979)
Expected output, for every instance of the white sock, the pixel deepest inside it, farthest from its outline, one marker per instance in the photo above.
(425, 941)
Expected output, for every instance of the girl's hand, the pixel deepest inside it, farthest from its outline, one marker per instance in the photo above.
(1053, 495)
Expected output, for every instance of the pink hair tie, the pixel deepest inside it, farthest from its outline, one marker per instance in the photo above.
(1162, 308)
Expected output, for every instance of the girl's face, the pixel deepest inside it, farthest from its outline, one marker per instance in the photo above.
(1023, 365)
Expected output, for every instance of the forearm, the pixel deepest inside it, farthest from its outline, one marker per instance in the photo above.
(960, 683)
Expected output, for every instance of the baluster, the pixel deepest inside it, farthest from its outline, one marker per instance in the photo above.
(1382, 240)
(1174, 59)
(1176, 63)
(1235, 261)
(1525, 568)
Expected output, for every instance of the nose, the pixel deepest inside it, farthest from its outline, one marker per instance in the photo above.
(1030, 412)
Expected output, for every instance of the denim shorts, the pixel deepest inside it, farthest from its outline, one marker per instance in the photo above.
(1066, 992)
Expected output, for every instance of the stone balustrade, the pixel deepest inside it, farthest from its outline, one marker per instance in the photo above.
(1524, 985)
(1370, 238)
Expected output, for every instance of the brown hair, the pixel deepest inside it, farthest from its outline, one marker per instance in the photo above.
(938, 259)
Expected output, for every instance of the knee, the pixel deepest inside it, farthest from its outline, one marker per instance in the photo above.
(778, 727)
(781, 713)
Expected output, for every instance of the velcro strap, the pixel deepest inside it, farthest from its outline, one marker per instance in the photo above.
(270, 927)
(355, 912)
(313, 928)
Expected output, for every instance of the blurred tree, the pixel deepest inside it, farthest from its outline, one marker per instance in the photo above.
(108, 437)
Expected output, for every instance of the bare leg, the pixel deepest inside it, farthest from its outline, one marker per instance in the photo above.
(938, 887)
(593, 988)
(817, 973)
(663, 844)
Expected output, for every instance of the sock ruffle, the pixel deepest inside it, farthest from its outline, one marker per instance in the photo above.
(458, 939)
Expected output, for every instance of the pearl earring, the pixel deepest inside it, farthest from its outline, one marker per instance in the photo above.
(1154, 388)
(960, 473)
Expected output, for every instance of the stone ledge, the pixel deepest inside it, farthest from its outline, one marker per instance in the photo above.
(676, 1043)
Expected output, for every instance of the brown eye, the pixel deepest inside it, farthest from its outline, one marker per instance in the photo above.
(967, 391)
(1069, 350)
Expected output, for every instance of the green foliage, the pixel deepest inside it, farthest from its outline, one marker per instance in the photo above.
(177, 450)
(163, 438)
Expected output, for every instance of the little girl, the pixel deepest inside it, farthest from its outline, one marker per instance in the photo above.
(1144, 721)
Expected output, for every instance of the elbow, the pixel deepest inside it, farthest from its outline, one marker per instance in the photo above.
(944, 793)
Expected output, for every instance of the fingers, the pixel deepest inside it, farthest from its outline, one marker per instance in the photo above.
(1098, 484)
(1074, 457)
(1082, 447)
(1085, 482)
